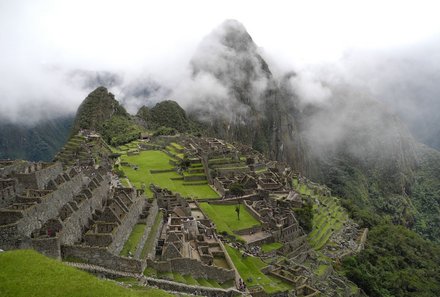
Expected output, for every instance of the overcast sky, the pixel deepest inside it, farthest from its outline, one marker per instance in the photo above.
(41, 40)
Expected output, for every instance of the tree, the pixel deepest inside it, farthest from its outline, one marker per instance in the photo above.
(236, 189)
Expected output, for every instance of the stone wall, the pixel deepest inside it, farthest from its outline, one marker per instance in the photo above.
(50, 206)
(9, 237)
(24, 222)
(8, 167)
(7, 192)
(102, 257)
(39, 179)
(152, 213)
(75, 223)
(48, 246)
(127, 224)
(248, 231)
(194, 268)
(194, 178)
(362, 240)
(193, 290)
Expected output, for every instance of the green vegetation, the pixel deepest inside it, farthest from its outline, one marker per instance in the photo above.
(157, 160)
(119, 130)
(320, 221)
(396, 262)
(99, 106)
(186, 279)
(149, 244)
(249, 268)
(425, 196)
(25, 273)
(236, 189)
(304, 215)
(328, 218)
(101, 112)
(225, 217)
(132, 242)
(38, 143)
(167, 115)
(268, 247)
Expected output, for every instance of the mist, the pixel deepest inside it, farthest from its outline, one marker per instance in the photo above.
(54, 54)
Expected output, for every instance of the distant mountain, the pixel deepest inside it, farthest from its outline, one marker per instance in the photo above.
(350, 142)
(101, 112)
(251, 106)
(39, 142)
(169, 114)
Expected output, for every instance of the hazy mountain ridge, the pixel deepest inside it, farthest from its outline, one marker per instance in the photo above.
(346, 139)
(36, 143)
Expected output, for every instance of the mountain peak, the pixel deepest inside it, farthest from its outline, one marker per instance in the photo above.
(99, 106)
(234, 35)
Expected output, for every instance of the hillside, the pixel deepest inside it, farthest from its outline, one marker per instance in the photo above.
(253, 154)
(27, 273)
(101, 112)
(39, 142)
(351, 142)
(396, 262)
(168, 114)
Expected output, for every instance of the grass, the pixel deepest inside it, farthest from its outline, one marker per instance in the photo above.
(225, 217)
(250, 267)
(268, 247)
(321, 269)
(132, 242)
(158, 160)
(186, 279)
(125, 183)
(26, 273)
(177, 146)
(151, 236)
(327, 219)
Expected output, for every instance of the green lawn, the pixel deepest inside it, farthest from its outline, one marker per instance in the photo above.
(225, 217)
(133, 241)
(250, 267)
(186, 279)
(151, 236)
(158, 160)
(26, 273)
(267, 247)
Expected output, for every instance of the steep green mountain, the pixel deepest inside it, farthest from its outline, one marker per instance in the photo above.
(36, 143)
(167, 113)
(253, 107)
(350, 142)
(101, 112)
(396, 262)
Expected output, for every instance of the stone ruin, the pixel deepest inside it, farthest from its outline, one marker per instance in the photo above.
(187, 239)
(44, 206)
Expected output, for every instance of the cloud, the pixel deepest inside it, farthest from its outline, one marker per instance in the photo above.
(44, 44)
(310, 89)
(226, 77)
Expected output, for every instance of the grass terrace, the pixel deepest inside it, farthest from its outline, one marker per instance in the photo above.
(25, 273)
(268, 247)
(225, 217)
(249, 268)
(149, 244)
(132, 242)
(158, 160)
(187, 279)
(328, 218)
